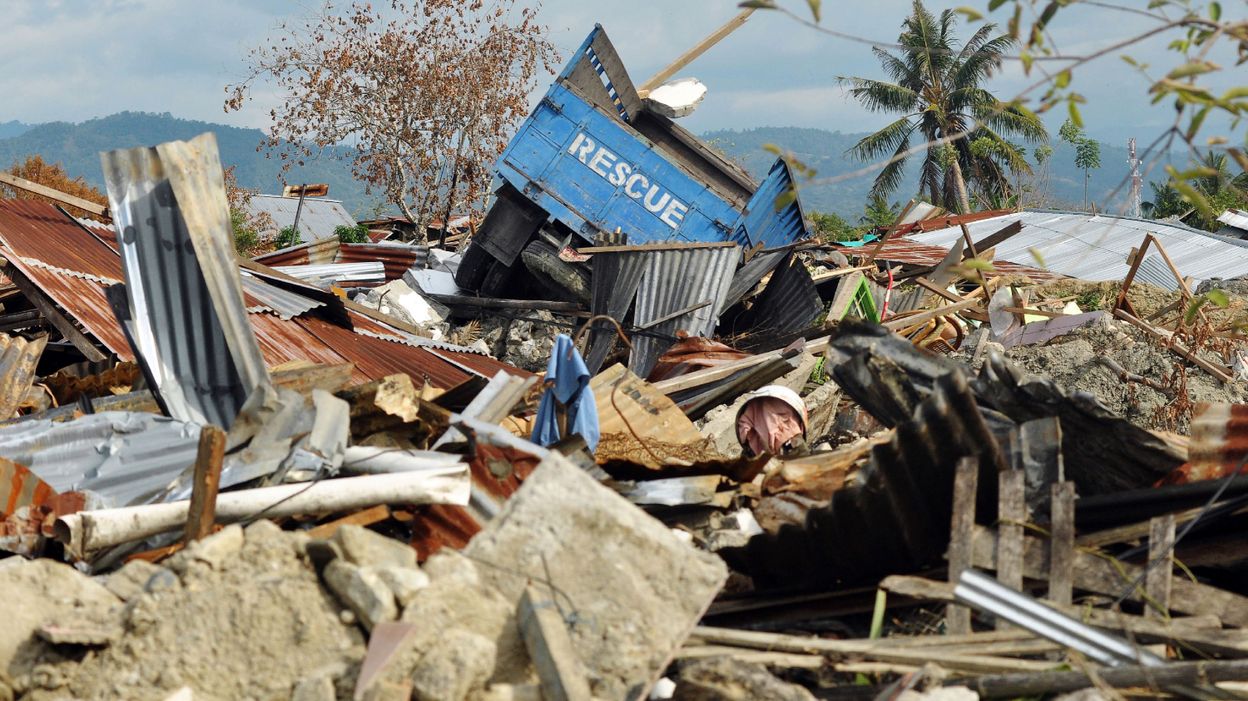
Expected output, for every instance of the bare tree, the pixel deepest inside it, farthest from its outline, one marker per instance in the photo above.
(423, 94)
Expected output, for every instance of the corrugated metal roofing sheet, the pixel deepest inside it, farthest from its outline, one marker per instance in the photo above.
(18, 358)
(263, 297)
(40, 231)
(397, 258)
(911, 252)
(774, 214)
(750, 274)
(318, 252)
(1235, 218)
(1095, 246)
(789, 302)
(673, 280)
(318, 219)
(615, 280)
(121, 456)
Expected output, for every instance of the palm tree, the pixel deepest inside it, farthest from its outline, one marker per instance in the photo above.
(936, 88)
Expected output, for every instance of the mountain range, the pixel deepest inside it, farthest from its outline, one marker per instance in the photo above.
(77, 147)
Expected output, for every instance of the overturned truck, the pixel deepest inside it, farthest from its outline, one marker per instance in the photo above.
(594, 162)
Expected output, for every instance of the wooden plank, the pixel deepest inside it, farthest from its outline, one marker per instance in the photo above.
(926, 316)
(1174, 674)
(970, 245)
(559, 670)
(1011, 514)
(771, 659)
(1221, 373)
(1102, 575)
(1035, 312)
(53, 314)
(1061, 542)
(1203, 631)
(1160, 567)
(865, 649)
(694, 52)
(1174, 270)
(203, 508)
(938, 290)
(962, 530)
(11, 180)
(367, 517)
(492, 303)
(999, 237)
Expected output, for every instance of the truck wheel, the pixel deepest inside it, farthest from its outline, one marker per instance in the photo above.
(569, 280)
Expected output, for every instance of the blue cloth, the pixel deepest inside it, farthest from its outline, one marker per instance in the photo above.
(567, 383)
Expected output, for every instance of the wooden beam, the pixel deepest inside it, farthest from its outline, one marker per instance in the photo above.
(962, 530)
(491, 303)
(1012, 515)
(53, 314)
(1035, 312)
(970, 245)
(561, 674)
(1222, 373)
(367, 517)
(694, 52)
(1104, 576)
(906, 322)
(203, 508)
(1160, 567)
(53, 194)
(1050, 684)
(1061, 542)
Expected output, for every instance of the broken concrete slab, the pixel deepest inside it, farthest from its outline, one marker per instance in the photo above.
(403, 582)
(131, 580)
(39, 590)
(363, 547)
(458, 665)
(566, 530)
(314, 689)
(362, 590)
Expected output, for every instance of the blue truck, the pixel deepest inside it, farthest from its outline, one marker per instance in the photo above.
(593, 160)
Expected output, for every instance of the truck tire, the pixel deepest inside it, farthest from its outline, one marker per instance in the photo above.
(568, 280)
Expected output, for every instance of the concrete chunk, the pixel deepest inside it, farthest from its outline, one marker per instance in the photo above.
(459, 665)
(314, 689)
(361, 590)
(130, 581)
(365, 548)
(636, 589)
(404, 582)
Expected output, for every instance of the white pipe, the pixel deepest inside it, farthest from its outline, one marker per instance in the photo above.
(88, 532)
(372, 460)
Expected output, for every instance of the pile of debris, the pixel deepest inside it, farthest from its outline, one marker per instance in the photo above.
(691, 454)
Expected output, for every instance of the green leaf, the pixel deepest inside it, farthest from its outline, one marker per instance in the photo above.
(1215, 11)
(1197, 120)
(1193, 308)
(1047, 14)
(1192, 68)
(758, 4)
(1062, 79)
(1075, 118)
(994, 4)
(1194, 198)
(1035, 253)
(1218, 298)
(1025, 59)
(1130, 61)
(972, 15)
(815, 6)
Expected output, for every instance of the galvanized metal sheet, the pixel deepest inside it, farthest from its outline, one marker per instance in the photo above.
(369, 271)
(203, 370)
(123, 457)
(615, 280)
(286, 304)
(750, 275)
(317, 252)
(790, 301)
(673, 280)
(317, 220)
(397, 258)
(1095, 246)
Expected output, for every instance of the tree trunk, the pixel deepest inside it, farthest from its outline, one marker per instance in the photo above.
(963, 198)
(1086, 177)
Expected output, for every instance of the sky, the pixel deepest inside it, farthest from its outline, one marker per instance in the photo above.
(72, 60)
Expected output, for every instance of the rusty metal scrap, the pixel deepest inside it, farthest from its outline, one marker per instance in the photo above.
(18, 359)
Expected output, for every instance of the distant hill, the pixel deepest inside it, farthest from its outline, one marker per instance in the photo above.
(13, 128)
(825, 151)
(77, 148)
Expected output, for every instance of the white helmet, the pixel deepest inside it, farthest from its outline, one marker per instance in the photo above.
(784, 394)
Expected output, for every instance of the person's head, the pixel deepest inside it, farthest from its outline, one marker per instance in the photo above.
(770, 420)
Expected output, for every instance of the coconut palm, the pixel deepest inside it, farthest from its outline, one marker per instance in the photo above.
(936, 87)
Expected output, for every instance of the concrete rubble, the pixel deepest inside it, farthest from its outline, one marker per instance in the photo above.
(376, 483)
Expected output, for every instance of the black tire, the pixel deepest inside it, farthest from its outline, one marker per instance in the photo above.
(570, 281)
(497, 282)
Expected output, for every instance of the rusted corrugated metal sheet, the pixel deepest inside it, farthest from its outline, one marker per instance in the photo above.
(18, 358)
(397, 258)
(677, 279)
(39, 231)
(902, 250)
(1218, 446)
(477, 364)
(376, 358)
(944, 221)
(319, 252)
(82, 299)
